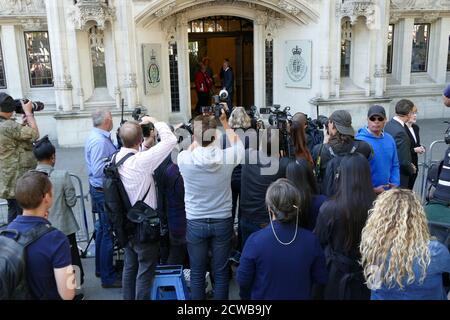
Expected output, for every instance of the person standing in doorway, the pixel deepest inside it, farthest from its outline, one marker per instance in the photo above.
(203, 86)
(228, 81)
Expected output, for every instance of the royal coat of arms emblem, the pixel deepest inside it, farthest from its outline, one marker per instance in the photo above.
(153, 74)
(297, 68)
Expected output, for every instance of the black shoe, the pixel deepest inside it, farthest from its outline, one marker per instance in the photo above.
(115, 284)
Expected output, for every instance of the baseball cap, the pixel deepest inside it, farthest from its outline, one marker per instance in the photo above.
(376, 111)
(343, 122)
(6, 103)
(447, 91)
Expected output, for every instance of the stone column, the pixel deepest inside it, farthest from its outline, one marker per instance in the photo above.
(402, 63)
(438, 51)
(259, 48)
(183, 66)
(337, 48)
(75, 65)
(56, 20)
(12, 64)
(381, 30)
(127, 43)
(325, 68)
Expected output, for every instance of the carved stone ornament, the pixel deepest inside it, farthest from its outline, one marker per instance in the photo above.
(325, 72)
(420, 4)
(130, 80)
(169, 26)
(428, 17)
(261, 18)
(166, 10)
(97, 11)
(34, 24)
(289, 8)
(358, 8)
(22, 7)
(380, 71)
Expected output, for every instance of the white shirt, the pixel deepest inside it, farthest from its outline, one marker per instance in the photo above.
(399, 121)
(411, 129)
(136, 173)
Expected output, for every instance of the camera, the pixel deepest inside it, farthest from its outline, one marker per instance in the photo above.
(146, 128)
(278, 117)
(37, 105)
(217, 107)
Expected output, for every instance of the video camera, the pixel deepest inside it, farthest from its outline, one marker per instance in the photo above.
(278, 118)
(217, 107)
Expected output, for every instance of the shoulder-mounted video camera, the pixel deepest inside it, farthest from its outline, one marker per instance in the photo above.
(278, 117)
(217, 107)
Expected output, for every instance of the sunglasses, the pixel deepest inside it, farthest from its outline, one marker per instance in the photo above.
(373, 119)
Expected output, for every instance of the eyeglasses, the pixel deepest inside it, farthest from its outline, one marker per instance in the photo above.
(373, 119)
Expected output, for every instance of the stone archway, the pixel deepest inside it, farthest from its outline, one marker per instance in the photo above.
(267, 16)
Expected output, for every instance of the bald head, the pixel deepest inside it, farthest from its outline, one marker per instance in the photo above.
(131, 134)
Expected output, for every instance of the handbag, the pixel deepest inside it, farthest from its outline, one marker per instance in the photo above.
(147, 221)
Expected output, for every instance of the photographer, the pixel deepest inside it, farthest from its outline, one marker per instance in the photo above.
(206, 171)
(16, 148)
(136, 174)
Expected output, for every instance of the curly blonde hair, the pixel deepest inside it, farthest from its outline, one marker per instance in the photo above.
(239, 119)
(395, 237)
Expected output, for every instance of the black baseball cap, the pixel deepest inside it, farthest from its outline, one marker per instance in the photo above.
(376, 111)
(6, 103)
(342, 120)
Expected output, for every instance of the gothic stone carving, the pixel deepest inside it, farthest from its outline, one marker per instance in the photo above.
(22, 7)
(356, 8)
(287, 7)
(86, 11)
(169, 25)
(420, 4)
(167, 9)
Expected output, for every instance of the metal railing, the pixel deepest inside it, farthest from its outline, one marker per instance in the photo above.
(426, 165)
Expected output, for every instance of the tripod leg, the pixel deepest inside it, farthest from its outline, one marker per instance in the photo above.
(84, 253)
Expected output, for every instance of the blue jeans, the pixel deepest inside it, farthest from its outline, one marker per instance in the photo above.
(138, 270)
(103, 239)
(204, 235)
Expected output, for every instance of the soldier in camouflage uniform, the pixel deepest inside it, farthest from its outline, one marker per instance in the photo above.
(16, 149)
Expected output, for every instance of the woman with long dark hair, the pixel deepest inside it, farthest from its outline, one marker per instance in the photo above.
(298, 137)
(339, 226)
(301, 174)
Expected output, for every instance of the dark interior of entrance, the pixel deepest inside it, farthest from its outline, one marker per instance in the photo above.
(219, 38)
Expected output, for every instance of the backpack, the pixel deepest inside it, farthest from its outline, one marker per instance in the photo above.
(332, 172)
(117, 203)
(314, 135)
(13, 249)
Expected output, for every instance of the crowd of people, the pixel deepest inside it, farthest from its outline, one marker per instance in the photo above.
(336, 221)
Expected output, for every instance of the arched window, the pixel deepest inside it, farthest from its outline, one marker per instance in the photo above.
(39, 59)
(97, 46)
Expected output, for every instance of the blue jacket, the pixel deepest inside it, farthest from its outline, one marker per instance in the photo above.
(384, 163)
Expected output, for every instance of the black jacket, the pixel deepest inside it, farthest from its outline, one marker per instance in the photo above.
(414, 143)
(398, 132)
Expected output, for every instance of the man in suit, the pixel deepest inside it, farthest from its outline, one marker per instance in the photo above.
(228, 81)
(416, 147)
(397, 129)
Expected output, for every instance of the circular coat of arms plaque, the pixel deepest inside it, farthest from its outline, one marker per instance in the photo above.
(297, 67)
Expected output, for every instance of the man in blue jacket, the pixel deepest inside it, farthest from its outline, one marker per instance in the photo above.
(384, 164)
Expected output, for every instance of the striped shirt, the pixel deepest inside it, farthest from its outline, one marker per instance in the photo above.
(136, 173)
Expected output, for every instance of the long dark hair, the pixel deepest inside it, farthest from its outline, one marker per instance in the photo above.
(354, 197)
(298, 136)
(300, 173)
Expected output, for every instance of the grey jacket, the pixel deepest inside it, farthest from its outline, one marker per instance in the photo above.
(64, 198)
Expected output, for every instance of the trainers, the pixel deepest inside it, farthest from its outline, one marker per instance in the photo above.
(115, 284)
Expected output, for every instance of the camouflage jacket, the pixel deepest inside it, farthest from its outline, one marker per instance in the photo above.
(16, 154)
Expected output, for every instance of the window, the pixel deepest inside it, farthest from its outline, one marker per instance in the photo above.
(421, 39)
(346, 48)
(39, 59)
(220, 24)
(2, 70)
(269, 72)
(174, 88)
(448, 55)
(97, 46)
(390, 48)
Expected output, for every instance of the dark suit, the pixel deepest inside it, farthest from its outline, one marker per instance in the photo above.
(414, 155)
(398, 132)
(228, 84)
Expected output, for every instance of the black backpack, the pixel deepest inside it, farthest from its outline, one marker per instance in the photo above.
(117, 203)
(332, 172)
(13, 249)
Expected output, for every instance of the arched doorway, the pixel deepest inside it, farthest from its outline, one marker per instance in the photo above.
(215, 38)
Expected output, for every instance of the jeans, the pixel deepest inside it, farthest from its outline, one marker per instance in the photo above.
(14, 210)
(104, 246)
(204, 235)
(138, 270)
